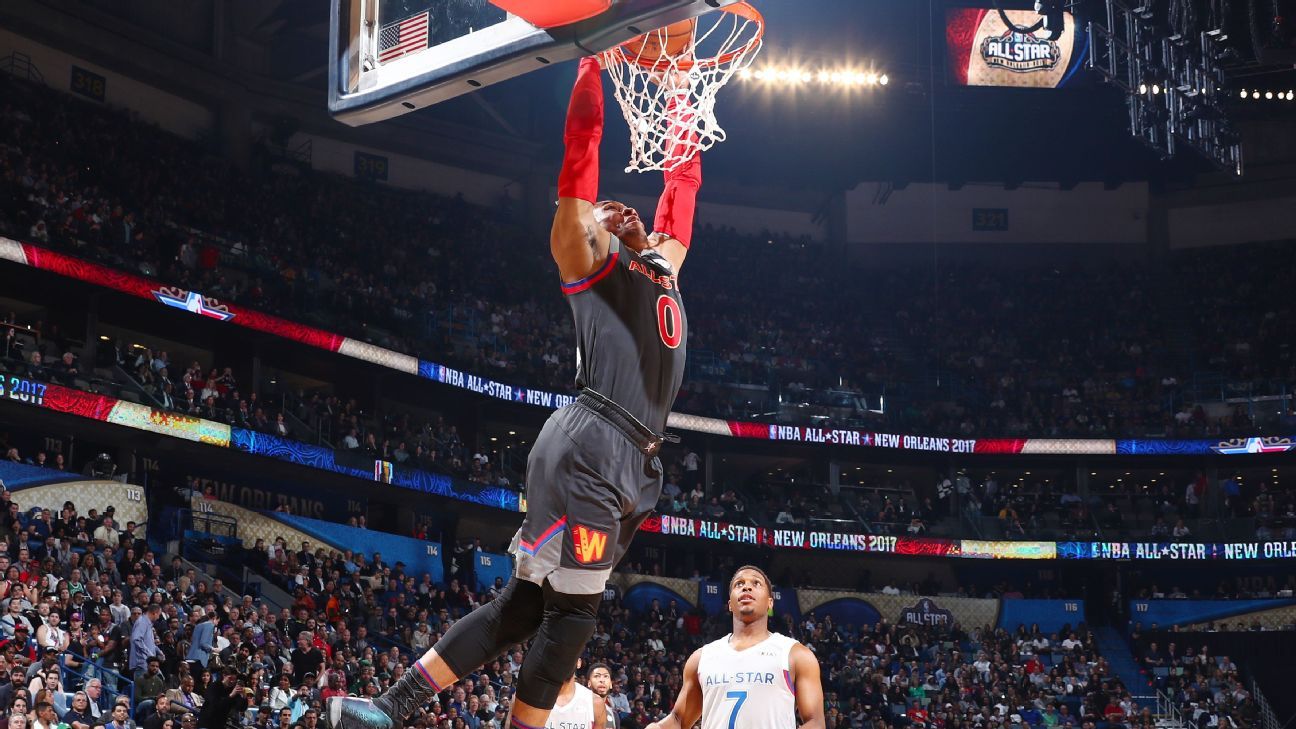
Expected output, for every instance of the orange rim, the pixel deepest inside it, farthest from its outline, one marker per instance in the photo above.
(741, 9)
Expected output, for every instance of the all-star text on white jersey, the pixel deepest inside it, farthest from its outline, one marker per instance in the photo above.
(748, 689)
(575, 714)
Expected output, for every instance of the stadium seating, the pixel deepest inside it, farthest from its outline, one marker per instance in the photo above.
(976, 349)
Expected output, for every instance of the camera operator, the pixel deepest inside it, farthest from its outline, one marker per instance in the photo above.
(102, 467)
(225, 703)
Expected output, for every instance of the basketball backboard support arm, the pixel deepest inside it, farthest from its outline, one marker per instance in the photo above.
(364, 91)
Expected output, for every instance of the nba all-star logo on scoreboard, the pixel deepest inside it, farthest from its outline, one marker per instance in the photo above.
(991, 48)
(1242, 446)
(192, 302)
(1020, 52)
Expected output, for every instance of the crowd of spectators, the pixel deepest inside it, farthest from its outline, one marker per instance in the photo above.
(1084, 349)
(1065, 349)
(84, 601)
(213, 394)
(1030, 508)
(79, 593)
(44, 459)
(1235, 587)
(48, 357)
(1014, 352)
(881, 676)
(947, 676)
(1163, 507)
(1039, 509)
(1274, 509)
(1204, 686)
(424, 442)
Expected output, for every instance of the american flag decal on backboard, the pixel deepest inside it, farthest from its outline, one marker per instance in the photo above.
(406, 36)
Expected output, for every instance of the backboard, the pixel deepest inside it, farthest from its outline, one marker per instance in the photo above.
(391, 57)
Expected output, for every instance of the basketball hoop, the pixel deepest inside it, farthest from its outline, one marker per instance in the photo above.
(667, 81)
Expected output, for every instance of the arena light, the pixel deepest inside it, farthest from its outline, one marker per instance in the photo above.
(1170, 71)
(1269, 95)
(828, 77)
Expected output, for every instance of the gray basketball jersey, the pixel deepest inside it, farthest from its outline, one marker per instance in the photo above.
(631, 333)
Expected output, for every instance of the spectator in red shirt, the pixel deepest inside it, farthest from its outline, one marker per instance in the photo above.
(692, 623)
(336, 686)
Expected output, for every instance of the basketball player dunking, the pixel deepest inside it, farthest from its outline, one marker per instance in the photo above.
(593, 475)
(751, 678)
(577, 707)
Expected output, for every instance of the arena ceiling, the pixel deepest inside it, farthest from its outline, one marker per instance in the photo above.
(918, 128)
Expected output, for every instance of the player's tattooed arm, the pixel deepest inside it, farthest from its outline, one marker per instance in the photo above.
(578, 246)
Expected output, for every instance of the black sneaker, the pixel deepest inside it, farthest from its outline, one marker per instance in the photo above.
(349, 712)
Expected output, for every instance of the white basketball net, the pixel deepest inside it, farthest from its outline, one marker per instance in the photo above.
(671, 110)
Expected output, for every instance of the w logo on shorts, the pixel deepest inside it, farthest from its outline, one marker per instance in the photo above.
(590, 544)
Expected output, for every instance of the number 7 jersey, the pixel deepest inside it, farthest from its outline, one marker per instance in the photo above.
(749, 689)
(631, 333)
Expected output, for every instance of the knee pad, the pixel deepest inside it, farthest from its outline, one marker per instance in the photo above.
(488, 631)
(569, 622)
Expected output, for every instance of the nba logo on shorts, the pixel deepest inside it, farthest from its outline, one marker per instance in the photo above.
(590, 544)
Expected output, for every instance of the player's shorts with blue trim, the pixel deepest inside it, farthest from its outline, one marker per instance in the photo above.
(589, 487)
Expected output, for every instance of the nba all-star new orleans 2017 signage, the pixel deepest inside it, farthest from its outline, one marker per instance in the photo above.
(985, 51)
(678, 526)
(797, 538)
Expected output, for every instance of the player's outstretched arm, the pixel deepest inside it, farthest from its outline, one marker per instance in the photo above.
(577, 244)
(809, 688)
(688, 705)
(600, 712)
(678, 202)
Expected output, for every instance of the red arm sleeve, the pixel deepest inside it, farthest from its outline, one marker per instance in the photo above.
(678, 202)
(583, 133)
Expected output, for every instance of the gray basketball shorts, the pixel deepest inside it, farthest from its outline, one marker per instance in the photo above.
(591, 481)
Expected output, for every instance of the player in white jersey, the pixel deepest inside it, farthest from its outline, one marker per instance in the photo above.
(577, 707)
(751, 678)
